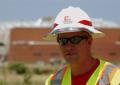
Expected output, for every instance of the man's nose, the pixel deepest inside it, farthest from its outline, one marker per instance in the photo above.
(69, 46)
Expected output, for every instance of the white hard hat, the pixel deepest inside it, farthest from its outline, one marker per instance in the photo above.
(73, 19)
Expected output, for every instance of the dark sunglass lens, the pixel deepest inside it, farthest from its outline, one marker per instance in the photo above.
(63, 41)
(76, 40)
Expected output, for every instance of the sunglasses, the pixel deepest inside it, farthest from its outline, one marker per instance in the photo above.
(73, 40)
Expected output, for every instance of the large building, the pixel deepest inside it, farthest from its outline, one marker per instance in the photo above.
(27, 45)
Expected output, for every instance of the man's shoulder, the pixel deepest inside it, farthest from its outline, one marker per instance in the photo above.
(112, 65)
(56, 76)
(60, 70)
(109, 64)
(110, 68)
(110, 74)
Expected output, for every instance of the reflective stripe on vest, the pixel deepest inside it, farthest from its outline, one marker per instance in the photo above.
(57, 78)
(116, 78)
(47, 82)
(63, 77)
(107, 74)
(102, 75)
(95, 76)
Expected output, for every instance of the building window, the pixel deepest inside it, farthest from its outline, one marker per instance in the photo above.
(1, 44)
(112, 53)
(54, 54)
(37, 54)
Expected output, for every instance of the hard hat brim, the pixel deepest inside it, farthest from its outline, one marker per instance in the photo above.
(94, 32)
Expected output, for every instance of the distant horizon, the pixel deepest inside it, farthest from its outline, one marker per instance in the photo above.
(35, 9)
(22, 20)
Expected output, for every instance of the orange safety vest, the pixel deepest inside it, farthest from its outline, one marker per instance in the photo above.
(105, 74)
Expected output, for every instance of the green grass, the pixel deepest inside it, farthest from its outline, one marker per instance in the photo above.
(30, 78)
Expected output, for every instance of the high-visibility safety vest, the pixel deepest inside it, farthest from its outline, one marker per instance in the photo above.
(105, 74)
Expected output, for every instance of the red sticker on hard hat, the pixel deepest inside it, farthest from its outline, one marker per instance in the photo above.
(55, 24)
(86, 22)
(67, 20)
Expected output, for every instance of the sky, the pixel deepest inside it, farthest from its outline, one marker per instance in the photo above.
(34, 9)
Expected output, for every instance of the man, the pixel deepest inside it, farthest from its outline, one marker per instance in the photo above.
(74, 32)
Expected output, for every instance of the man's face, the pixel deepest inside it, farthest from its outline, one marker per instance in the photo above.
(75, 46)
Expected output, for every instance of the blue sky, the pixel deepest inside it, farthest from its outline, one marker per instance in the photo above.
(34, 9)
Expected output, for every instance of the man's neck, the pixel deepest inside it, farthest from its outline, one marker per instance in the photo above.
(83, 66)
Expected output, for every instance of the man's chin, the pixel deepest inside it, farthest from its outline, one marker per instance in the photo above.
(71, 59)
